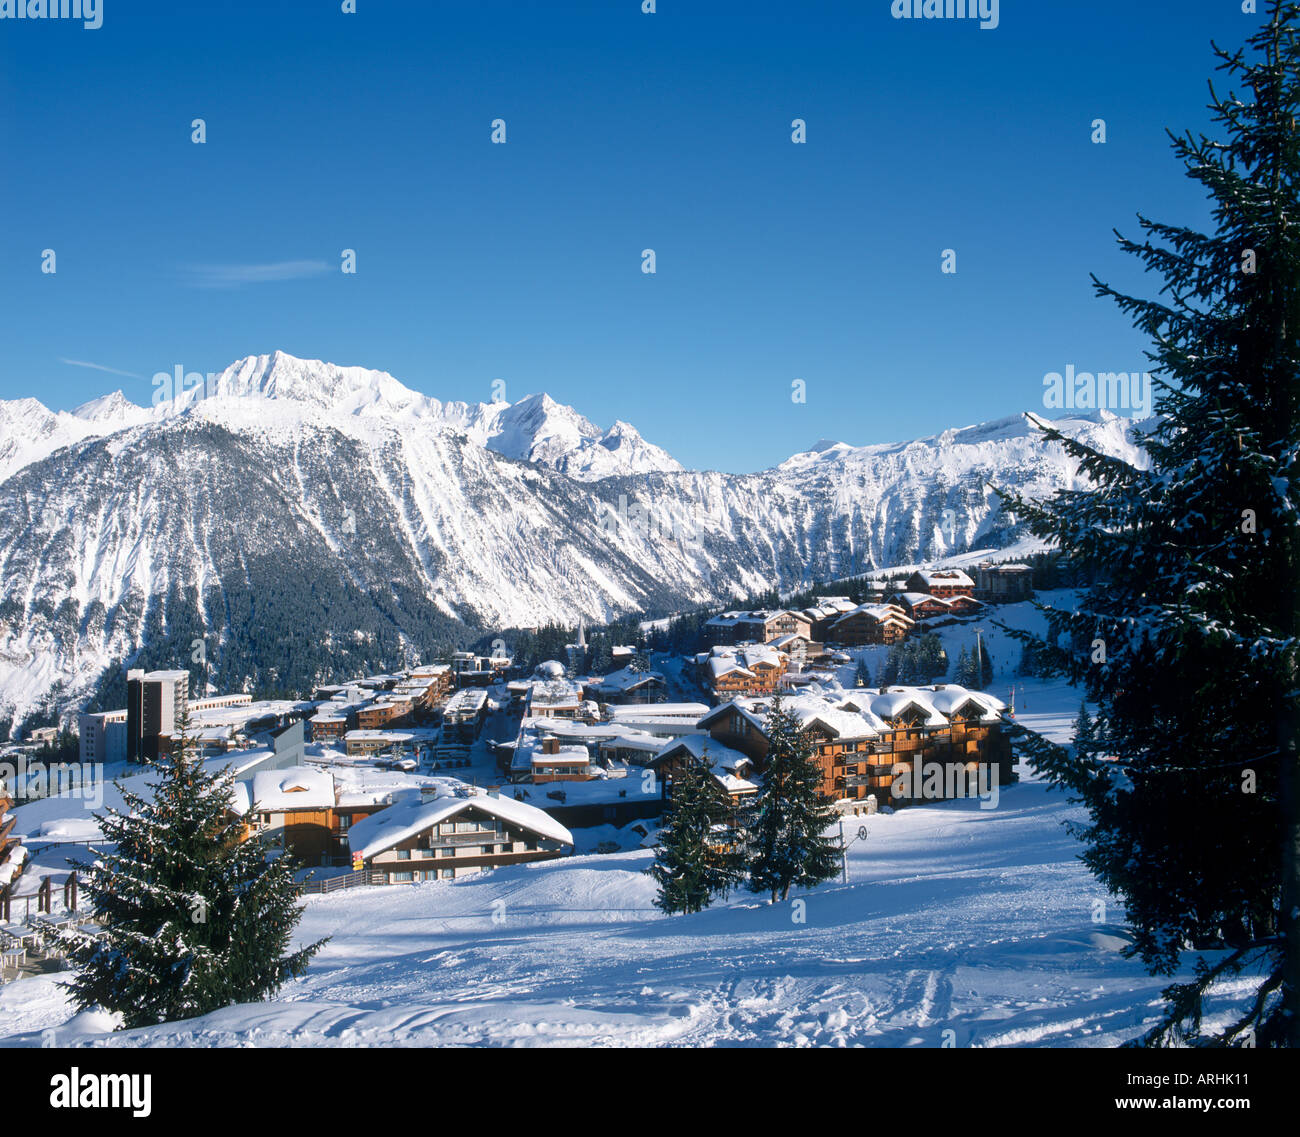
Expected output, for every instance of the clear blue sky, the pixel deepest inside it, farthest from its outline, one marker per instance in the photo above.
(625, 131)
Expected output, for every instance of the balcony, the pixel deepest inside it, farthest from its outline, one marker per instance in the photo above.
(450, 840)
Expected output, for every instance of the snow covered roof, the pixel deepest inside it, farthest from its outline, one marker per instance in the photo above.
(945, 578)
(648, 743)
(658, 711)
(728, 665)
(297, 787)
(948, 698)
(414, 814)
(911, 599)
(704, 745)
(628, 680)
(812, 710)
(882, 613)
(726, 765)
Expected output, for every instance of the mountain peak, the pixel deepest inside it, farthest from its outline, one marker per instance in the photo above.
(107, 407)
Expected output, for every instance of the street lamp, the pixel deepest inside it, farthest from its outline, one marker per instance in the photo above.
(844, 847)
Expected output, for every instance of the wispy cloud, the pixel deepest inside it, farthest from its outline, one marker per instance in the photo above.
(100, 367)
(236, 276)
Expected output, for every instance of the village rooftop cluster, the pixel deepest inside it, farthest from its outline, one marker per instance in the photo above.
(455, 767)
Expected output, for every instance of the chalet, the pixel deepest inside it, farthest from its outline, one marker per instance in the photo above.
(860, 737)
(729, 768)
(739, 725)
(964, 605)
(753, 669)
(332, 721)
(871, 624)
(941, 583)
(761, 626)
(795, 646)
(453, 830)
(1003, 584)
(827, 611)
(297, 809)
(385, 712)
(425, 687)
(921, 605)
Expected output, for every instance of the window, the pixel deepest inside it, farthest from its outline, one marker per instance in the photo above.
(488, 850)
(448, 873)
(448, 852)
(403, 876)
(344, 822)
(403, 854)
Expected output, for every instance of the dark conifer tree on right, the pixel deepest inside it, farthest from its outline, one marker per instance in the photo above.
(1191, 632)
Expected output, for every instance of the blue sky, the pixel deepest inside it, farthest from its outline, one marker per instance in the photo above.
(476, 262)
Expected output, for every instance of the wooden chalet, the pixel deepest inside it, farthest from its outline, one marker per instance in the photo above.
(921, 605)
(729, 768)
(751, 670)
(821, 617)
(942, 583)
(859, 740)
(762, 626)
(871, 624)
(443, 835)
(299, 810)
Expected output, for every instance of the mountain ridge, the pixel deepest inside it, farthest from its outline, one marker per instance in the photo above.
(364, 525)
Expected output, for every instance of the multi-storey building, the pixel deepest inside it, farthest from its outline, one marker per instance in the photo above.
(861, 739)
(155, 701)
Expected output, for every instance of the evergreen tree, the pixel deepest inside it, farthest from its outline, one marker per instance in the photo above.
(194, 918)
(1085, 735)
(863, 673)
(963, 674)
(893, 665)
(691, 864)
(982, 667)
(600, 657)
(788, 845)
(1194, 630)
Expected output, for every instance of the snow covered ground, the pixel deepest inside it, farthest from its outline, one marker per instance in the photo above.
(955, 919)
(959, 926)
(978, 922)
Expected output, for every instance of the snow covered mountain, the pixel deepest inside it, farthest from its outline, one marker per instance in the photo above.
(301, 518)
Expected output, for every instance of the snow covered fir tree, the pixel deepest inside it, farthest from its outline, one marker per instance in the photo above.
(698, 856)
(788, 846)
(1188, 642)
(194, 918)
